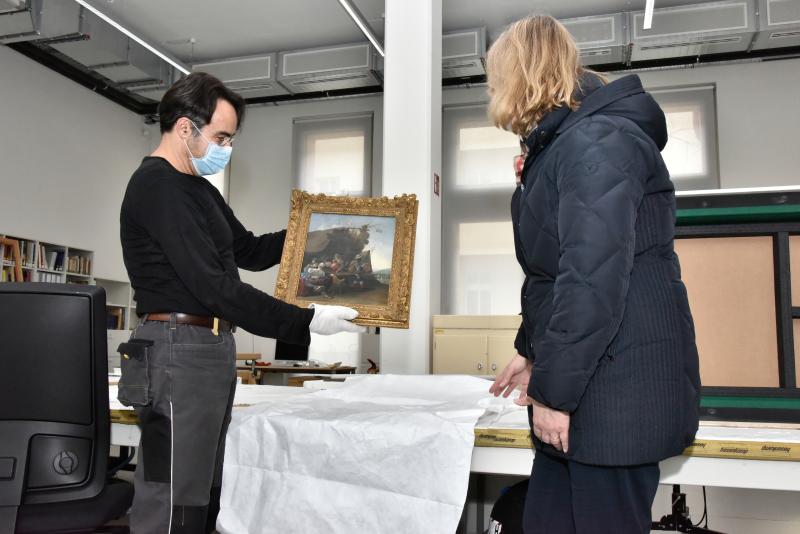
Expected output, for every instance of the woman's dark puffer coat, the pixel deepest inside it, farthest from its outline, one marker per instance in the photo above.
(606, 318)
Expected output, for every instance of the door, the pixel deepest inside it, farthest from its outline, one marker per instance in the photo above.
(501, 351)
(459, 354)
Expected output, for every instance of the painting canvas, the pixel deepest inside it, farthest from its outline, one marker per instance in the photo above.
(355, 252)
(347, 259)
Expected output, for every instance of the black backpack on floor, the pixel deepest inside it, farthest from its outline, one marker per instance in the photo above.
(506, 516)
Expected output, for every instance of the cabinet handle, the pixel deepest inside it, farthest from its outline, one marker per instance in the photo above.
(494, 367)
(480, 366)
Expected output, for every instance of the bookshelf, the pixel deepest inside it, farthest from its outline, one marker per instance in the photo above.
(120, 316)
(120, 306)
(43, 261)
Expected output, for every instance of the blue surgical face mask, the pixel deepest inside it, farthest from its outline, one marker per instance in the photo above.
(214, 160)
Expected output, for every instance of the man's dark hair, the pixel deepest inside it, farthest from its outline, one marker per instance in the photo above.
(195, 97)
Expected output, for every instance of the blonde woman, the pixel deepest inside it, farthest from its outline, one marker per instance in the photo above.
(607, 351)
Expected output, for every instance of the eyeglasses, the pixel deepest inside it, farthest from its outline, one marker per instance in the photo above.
(221, 140)
(225, 140)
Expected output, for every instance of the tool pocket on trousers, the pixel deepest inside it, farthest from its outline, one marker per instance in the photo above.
(134, 386)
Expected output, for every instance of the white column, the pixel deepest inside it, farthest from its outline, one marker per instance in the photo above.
(412, 138)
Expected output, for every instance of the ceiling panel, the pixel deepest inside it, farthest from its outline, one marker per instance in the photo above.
(496, 14)
(227, 28)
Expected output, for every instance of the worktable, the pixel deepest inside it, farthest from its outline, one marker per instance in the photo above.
(752, 457)
(278, 375)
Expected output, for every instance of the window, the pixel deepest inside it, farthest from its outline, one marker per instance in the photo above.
(334, 155)
(480, 274)
(691, 151)
(483, 156)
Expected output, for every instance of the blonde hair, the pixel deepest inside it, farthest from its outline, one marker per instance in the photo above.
(532, 68)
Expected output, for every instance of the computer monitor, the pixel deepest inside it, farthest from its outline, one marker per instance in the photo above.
(287, 351)
(54, 418)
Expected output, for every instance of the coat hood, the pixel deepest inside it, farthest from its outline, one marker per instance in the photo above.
(626, 98)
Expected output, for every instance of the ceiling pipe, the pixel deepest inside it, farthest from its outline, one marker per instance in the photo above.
(362, 24)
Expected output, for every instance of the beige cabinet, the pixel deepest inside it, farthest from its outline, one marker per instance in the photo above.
(459, 354)
(501, 351)
(473, 344)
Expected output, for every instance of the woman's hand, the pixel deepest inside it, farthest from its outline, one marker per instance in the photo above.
(550, 426)
(516, 374)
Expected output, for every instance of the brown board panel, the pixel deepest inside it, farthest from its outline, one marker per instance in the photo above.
(794, 266)
(731, 286)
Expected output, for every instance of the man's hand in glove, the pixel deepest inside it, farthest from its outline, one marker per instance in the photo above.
(333, 319)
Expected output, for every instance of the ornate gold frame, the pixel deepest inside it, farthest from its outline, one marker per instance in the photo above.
(403, 208)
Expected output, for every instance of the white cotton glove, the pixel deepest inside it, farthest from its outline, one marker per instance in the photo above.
(333, 319)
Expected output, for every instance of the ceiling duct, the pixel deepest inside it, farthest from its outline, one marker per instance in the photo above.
(600, 39)
(251, 77)
(464, 53)
(330, 69)
(778, 24)
(29, 20)
(110, 53)
(693, 30)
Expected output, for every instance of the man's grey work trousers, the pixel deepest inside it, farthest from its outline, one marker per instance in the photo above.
(182, 390)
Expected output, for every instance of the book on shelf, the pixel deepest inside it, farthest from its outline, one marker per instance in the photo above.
(26, 251)
(79, 265)
(23, 252)
(31, 254)
(115, 319)
(51, 278)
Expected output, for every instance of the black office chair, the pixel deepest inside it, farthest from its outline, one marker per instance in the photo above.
(54, 422)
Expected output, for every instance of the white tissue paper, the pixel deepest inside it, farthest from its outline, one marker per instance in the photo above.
(380, 454)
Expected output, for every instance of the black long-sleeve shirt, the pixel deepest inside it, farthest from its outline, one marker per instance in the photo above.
(182, 245)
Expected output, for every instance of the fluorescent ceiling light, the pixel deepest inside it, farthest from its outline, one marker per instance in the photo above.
(133, 36)
(362, 24)
(648, 14)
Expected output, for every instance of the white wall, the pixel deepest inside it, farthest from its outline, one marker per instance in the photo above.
(758, 117)
(261, 177)
(66, 155)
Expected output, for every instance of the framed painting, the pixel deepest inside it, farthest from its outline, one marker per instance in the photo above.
(350, 251)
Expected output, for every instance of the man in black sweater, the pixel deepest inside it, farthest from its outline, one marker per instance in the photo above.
(182, 247)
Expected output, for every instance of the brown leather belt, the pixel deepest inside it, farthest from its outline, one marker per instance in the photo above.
(194, 320)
